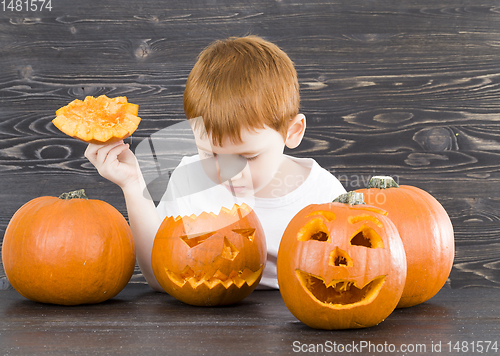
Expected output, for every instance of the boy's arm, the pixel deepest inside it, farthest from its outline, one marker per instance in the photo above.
(144, 221)
(117, 163)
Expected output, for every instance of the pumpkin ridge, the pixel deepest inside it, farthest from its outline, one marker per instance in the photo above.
(357, 218)
(328, 215)
(121, 249)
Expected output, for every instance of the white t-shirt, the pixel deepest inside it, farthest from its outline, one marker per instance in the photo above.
(190, 191)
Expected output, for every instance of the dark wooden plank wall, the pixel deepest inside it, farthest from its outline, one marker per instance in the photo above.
(405, 88)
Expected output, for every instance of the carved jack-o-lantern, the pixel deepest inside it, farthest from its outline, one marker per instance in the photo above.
(341, 266)
(210, 259)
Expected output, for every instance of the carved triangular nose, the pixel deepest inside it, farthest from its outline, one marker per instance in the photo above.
(339, 257)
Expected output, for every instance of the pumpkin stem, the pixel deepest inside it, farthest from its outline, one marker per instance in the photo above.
(382, 182)
(350, 198)
(77, 194)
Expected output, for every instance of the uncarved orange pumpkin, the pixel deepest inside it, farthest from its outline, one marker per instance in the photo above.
(427, 235)
(98, 120)
(341, 265)
(68, 250)
(210, 259)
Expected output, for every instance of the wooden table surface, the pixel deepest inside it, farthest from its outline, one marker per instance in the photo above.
(140, 321)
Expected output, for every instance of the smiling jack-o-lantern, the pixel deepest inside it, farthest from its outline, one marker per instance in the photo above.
(210, 259)
(341, 266)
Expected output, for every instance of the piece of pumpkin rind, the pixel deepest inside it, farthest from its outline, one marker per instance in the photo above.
(101, 134)
(132, 109)
(69, 127)
(84, 132)
(136, 120)
(60, 121)
(60, 112)
(130, 123)
(119, 131)
(71, 119)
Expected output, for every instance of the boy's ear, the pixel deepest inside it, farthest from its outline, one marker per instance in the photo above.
(296, 131)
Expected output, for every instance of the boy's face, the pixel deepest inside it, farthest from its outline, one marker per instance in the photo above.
(260, 153)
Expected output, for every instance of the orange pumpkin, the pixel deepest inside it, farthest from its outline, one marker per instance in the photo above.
(68, 250)
(98, 120)
(427, 235)
(341, 266)
(210, 259)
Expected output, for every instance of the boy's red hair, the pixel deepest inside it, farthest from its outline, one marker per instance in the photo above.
(242, 83)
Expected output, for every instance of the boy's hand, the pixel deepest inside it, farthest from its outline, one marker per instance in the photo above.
(114, 161)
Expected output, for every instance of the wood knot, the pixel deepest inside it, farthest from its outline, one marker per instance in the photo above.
(436, 139)
(26, 72)
(82, 91)
(143, 50)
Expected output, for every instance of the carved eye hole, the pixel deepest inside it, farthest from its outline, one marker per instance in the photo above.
(196, 239)
(315, 229)
(367, 237)
(248, 233)
(319, 236)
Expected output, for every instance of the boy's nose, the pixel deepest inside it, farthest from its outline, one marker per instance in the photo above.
(237, 175)
(230, 166)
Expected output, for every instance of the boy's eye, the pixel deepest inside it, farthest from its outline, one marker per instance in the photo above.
(251, 158)
(208, 154)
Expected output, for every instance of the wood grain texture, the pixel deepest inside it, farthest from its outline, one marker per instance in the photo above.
(409, 89)
(141, 322)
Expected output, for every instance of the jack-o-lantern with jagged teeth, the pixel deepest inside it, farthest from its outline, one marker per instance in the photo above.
(341, 265)
(210, 259)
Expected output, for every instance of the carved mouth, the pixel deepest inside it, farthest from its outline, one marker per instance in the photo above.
(238, 278)
(340, 292)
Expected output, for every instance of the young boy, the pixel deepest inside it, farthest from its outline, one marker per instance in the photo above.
(242, 100)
